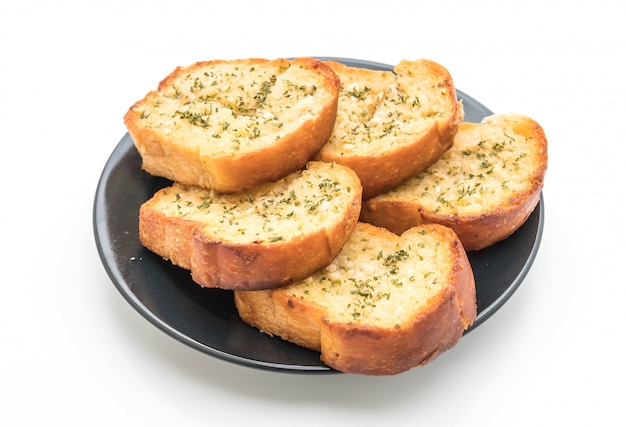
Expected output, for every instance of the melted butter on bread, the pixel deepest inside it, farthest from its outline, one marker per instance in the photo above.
(385, 304)
(484, 187)
(392, 125)
(294, 206)
(260, 238)
(488, 164)
(231, 106)
(233, 125)
(381, 282)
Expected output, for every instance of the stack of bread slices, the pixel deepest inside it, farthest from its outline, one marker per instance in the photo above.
(337, 203)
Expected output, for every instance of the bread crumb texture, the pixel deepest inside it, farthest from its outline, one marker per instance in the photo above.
(382, 110)
(297, 205)
(381, 282)
(488, 164)
(221, 107)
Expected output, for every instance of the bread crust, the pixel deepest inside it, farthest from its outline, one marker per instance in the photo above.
(364, 347)
(377, 351)
(219, 262)
(276, 313)
(478, 228)
(168, 154)
(408, 154)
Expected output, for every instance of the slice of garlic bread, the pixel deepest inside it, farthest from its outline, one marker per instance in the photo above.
(257, 239)
(232, 125)
(386, 304)
(484, 187)
(392, 125)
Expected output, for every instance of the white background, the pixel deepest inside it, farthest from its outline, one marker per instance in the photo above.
(73, 352)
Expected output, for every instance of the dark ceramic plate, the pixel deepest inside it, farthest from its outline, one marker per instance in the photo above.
(206, 319)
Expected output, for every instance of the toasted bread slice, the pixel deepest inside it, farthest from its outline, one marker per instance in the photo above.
(485, 187)
(392, 125)
(258, 239)
(232, 125)
(386, 304)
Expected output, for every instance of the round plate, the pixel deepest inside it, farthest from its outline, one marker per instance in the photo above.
(206, 319)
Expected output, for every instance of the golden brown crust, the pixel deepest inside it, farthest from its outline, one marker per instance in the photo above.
(410, 152)
(478, 228)
(167, 153)
(381, 173)
(167, 236)
(175, 225)
(379, 351)
(480, 231)
(475, 231)
(220, 264)
(276, 313)
(366, 347)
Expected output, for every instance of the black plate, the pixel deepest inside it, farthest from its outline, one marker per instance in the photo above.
(206, 319)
